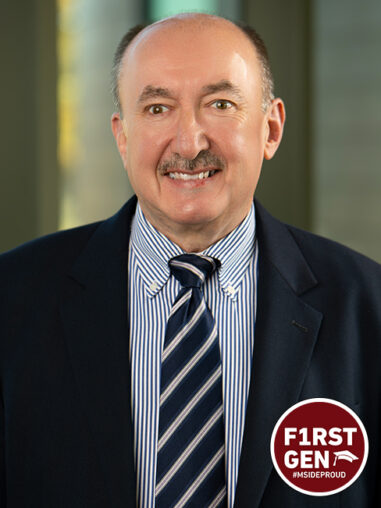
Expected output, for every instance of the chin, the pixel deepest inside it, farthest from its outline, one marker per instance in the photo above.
(194, 216)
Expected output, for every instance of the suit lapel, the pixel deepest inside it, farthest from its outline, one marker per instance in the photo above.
(95, 317)
(285, 334)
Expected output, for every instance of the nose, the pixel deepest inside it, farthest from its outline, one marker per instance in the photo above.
(190, 137)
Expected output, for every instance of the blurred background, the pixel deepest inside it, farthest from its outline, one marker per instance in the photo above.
(60, 166)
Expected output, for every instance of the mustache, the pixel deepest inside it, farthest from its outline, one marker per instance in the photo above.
(203, 160)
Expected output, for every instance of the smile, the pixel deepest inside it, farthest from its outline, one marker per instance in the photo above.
(185, 176)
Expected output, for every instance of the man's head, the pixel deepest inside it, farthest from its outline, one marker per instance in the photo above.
(252, 34)
(193, 129)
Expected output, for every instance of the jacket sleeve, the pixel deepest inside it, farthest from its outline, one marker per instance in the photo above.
(2, 457)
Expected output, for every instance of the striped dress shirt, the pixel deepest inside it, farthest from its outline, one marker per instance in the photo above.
(231, 296)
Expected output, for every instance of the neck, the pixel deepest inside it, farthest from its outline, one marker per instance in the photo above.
(195, 237)
(195, 241)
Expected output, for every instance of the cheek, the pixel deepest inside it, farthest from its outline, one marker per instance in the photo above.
(140, 157)
(145, 147)
(250, 147)
(244, 152)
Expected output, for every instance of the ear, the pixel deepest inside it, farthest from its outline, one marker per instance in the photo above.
(120, 136)
(276, 116)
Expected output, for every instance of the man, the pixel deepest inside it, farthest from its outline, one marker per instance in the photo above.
(86, 314)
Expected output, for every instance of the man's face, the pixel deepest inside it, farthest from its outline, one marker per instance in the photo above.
(193, 134)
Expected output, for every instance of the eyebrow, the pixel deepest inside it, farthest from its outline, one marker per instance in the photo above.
(223, 86)
(153, 92)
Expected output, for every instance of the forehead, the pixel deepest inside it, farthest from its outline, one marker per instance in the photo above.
(189, 54)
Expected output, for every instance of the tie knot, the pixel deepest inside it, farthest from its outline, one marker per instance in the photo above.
(192, 270)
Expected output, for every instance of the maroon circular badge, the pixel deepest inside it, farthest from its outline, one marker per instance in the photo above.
(319, 447)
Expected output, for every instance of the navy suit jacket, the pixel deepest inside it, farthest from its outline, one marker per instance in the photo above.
(66, 438)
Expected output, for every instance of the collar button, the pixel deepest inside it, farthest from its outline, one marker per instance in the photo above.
(153, 286)
(231, 290)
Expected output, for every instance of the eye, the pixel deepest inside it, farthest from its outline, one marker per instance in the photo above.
(157, 109)
(222, 104)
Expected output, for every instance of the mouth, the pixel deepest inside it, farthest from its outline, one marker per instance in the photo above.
(203, 175)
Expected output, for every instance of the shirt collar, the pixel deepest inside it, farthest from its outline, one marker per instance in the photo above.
(235, 251)
(153, 250)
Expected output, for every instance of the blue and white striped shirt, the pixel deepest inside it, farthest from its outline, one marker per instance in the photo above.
(231, 296)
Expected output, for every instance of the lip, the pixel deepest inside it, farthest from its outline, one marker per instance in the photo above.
(192, 172)
(197, 182)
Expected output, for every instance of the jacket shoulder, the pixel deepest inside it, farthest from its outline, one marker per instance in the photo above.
(346, 278)
(333, 257)
(31, 275)
(58, 251)
(43, 253)
(337, 270)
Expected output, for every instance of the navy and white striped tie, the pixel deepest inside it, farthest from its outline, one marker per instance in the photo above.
(191, 445)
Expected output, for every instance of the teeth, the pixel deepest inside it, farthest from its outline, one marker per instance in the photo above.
(185, 176)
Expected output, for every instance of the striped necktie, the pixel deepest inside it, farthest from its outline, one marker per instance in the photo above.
(191, 445)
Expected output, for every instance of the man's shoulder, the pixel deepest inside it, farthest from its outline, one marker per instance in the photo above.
(345, 278)
(333, 257)
(44, 258)
(332, 263)
(61, 249)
